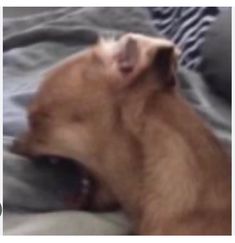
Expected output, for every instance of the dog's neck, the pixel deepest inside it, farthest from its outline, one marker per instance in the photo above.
(174, 167)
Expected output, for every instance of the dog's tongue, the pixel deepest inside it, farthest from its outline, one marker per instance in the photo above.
(69, 180)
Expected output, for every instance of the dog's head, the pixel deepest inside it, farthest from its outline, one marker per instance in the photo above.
(92, 107)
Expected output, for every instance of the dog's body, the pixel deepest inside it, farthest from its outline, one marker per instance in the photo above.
(116, 109)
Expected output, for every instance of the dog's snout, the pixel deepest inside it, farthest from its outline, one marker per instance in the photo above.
(21, 146)
(17, 146)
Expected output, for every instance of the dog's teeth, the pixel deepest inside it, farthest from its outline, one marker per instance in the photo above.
(85, 190)
(85, 182)
(53, 161)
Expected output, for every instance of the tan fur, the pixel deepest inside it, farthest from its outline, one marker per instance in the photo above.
(139, 138)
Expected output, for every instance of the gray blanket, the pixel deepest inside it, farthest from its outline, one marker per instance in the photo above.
(32, 45)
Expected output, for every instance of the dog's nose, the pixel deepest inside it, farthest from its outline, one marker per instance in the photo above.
(17, 146)
(21, 146)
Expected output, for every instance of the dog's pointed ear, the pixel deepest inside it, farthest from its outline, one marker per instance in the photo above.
(137, 53)
(128, 55)
(165, 65)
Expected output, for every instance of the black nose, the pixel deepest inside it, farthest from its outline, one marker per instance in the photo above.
(16, 146)
(21, 146)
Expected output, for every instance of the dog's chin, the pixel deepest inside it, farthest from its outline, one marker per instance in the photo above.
(76, 179)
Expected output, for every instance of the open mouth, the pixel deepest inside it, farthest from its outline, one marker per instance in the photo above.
(75, 183)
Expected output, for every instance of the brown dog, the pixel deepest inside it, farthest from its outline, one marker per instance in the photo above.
(115, 108)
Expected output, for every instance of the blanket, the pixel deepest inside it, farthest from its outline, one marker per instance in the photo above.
(187, 27)
(32, 45)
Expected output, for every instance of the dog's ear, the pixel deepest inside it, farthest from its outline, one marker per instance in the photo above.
(165, 64)
(138, 53)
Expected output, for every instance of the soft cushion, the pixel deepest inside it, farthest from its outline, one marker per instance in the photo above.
(216, 52)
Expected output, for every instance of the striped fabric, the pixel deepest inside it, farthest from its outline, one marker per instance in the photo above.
(186, 26)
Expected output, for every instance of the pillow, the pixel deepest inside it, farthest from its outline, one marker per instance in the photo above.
(216, 52)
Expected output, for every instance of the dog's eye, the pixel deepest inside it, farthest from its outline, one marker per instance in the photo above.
(75, 117)
(37, 117)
